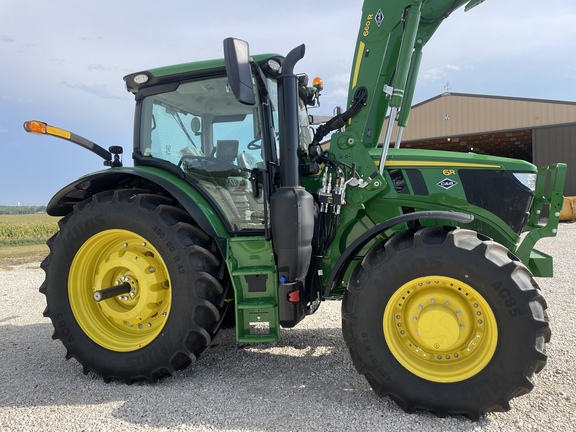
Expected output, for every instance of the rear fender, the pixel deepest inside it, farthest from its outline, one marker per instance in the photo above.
(147, 178)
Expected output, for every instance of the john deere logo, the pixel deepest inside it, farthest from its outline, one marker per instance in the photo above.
(446, 183)
(379, 17)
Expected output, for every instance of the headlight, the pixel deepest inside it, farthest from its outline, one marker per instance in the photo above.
(273, 65)
(141, 79)
(527, 179)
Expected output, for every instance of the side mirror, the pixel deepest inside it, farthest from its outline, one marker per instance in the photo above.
(237, 61)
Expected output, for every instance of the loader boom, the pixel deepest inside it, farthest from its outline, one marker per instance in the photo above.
(386, 60)
(387, 57)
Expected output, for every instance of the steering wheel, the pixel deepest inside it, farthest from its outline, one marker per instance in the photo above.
(253, 146)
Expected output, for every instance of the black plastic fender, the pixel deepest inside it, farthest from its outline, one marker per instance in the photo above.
(64, 200)
(344, 261)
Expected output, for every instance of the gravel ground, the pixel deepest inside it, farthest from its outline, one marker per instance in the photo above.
(305, 382)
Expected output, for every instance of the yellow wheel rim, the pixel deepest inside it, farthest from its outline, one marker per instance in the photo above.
(440, 329)
(124, 322)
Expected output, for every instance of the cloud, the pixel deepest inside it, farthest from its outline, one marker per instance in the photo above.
(99, 90)
(19, 99)
(3, 129)
(437, 73)
(433, 74)
(6, 39)
(89, 38)
(337, 93)
(97, 67)
(342, 78)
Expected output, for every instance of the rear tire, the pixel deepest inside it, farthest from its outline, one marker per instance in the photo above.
(174, 308)
(443, 321)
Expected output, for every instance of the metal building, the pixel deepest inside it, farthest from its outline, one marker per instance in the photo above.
(539, 131)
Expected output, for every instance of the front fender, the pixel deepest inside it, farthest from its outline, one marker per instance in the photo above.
(139, 177)
(346, 258)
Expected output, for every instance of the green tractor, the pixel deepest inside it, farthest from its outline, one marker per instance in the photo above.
(236, 209)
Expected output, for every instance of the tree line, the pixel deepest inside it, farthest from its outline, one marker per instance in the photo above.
(12, 210)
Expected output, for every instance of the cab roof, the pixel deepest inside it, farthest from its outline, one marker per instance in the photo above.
(184, 71)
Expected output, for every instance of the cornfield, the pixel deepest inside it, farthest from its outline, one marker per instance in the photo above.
(26, 229)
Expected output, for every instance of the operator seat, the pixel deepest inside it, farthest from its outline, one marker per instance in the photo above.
(227, 150)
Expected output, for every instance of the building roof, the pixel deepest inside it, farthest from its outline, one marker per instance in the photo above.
(460, 114)
(509, 98)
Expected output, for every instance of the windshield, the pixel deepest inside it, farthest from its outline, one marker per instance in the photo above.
(215, 140)
(218, 143)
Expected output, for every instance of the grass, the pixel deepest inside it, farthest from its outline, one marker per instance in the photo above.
(16, 255)
(23, 237)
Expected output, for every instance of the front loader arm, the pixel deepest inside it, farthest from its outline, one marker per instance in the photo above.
(384, 71)
(386, 59)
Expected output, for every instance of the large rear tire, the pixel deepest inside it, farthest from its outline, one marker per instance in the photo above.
(176, 298)
(443, 321)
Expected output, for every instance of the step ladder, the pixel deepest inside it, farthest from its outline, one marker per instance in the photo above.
(255, 280)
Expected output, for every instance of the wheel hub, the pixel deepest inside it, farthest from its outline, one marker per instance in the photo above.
(440, 329)
(128, 321)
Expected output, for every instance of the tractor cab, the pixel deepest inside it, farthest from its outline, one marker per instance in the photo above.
(198, 128)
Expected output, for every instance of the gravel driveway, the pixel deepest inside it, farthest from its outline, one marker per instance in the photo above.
(305, 382)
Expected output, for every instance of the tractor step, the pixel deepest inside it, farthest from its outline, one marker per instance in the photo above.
(255, 283)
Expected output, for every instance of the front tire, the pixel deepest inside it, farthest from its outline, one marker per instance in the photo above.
(443, 321)
(176, 299)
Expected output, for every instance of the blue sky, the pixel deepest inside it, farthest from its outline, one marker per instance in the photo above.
(63, 61)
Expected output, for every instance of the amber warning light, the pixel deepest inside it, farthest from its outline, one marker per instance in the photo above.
(39, 127)
(35, 127)
(42, 128)
(318, 83)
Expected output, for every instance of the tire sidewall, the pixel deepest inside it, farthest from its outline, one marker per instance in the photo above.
(80, 226)
(505, 298)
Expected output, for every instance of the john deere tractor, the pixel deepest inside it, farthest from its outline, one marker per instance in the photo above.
(237, 208)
